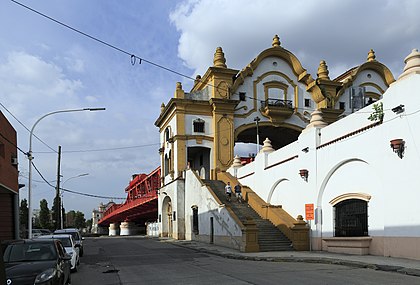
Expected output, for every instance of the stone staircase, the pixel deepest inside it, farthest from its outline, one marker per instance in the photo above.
(270, 238)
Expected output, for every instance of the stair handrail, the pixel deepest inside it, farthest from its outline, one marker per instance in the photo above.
(288, 225)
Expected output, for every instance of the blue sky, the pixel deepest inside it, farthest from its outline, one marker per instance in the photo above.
(45, 67)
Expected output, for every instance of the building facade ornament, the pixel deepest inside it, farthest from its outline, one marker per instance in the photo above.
(267, 147)
(412, 64)
(323, 71)
(317, 121)
(276, 41)
(219, 58)
(371, 55)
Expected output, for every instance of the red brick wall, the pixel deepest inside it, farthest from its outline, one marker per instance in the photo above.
(7, 227)
(8, 179)
(8, 172)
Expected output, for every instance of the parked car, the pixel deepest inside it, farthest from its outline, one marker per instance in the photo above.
(70, 247)
(36, 233)
(76, 235)
(36, 261)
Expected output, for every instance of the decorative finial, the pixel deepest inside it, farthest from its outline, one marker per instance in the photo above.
(412, 63)
(267, 147)
(162, 107)
(276, 41)
(371, 55)
(197, 79)
(323, 70)
(317, 120)
(219, 58)
(179, 93)
(237, 162)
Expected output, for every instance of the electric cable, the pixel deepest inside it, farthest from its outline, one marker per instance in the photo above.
(75, 192)
(44, 143)
(133, 57)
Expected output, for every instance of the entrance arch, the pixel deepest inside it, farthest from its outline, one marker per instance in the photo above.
(167, 226)
(280, 135)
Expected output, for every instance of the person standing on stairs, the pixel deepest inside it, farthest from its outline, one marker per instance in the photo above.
(238, 193)
(228, 190)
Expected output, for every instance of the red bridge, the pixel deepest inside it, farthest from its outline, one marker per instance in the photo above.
(141, 204)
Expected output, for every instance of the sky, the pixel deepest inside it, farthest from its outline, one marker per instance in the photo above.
(46, 67)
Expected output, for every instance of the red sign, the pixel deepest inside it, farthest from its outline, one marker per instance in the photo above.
(309, 212)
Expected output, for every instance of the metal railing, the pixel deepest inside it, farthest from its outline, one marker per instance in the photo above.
(277, 103)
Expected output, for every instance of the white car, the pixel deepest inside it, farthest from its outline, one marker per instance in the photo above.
(70, 246)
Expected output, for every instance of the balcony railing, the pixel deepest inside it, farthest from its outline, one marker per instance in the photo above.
(270, 102)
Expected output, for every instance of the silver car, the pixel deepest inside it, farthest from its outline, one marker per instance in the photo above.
(70, 247)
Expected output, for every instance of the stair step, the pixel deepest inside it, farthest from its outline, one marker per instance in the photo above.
(270, 238)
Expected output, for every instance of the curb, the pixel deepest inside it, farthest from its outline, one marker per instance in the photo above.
(350, 263)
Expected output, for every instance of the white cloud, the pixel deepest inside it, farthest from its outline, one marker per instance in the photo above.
(341, 32)
(27, 81)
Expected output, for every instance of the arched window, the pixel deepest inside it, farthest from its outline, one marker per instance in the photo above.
(350, 218)
(166, 166)
(167, 134)
(198, 125)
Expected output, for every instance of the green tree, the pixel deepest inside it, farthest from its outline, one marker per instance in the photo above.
(44, 215)
(70, 216)
(79, 220)
(55, 212)
(89, 225)
(23, 214)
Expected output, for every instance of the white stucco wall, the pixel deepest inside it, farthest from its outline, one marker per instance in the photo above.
(359, 163)
(198, 195)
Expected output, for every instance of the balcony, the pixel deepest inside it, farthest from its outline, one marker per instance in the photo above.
(277, 110)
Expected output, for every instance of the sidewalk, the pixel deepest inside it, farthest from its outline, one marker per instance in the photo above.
(400, 265)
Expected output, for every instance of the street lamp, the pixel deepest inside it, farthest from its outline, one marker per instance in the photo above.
(30, 158)
(256, 120)
(62, 192)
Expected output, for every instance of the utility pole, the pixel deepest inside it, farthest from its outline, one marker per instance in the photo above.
(57, 192)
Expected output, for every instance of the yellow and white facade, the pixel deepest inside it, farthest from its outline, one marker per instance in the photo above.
(320, 125)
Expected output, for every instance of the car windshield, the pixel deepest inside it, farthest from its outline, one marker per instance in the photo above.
(31, 252)
(74, 234)
(65, 241)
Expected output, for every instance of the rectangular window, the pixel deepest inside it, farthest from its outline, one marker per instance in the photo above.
(1, 149)
(351, 218)
(195, 220)
(307, 102)
(342, 105)
(198, 126)
(242, 96)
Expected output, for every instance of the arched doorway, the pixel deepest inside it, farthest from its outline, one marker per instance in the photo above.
(167, 226)
(199, 160)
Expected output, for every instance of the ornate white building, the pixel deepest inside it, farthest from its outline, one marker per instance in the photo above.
(327, 147)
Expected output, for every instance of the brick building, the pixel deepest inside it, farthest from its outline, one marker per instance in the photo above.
(9, 187)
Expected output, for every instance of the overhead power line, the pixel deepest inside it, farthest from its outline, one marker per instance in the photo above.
(22, 124)
(75, 192)
(133, 57)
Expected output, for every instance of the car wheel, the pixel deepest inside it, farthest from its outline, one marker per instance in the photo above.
(75, 269)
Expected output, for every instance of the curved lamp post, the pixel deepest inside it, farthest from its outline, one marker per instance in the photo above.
(62, 190)
(30, 158)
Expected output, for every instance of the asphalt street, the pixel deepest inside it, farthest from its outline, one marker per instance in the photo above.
(141, 260)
